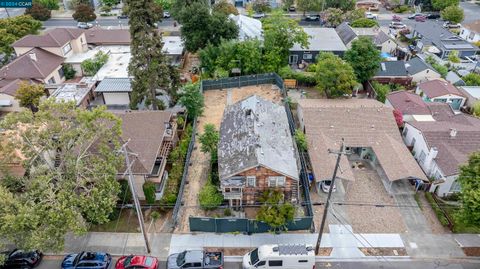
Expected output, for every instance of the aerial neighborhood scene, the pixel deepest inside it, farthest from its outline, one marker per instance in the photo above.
(228, 134)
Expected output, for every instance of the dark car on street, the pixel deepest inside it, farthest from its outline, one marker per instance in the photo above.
(87, 260)
(433, 16)
(413, 16)
(19, 259)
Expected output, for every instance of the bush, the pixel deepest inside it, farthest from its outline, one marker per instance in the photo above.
(125, 194)
(442, 70)
(227, 212)
(180, 121)
(440, 215)
(209, 197)
(364, 23)
(401, 9)
(91, 66)
(301, 140)
(39, 12)
(382, 90)
(68, 71)
(303, 78)
(149, 191)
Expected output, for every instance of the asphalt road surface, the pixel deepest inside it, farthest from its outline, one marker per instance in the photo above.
(100, 22)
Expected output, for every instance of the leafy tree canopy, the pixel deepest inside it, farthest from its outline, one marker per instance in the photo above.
(28, 95)
(261, 6)
(209, 139)
(470, 190)
(38, 12)
(309, 5)
(364, 23)
(382, 90)
(344, 5)
(334, 16)
(91, 66)
(453, 56)
(14, 28)
(49, 4)
(364, 57)
(274, 211)
(453, 14)
(355, 14)
(71, 159)
(472, 79)
(334, 76)
(225, 7)
(192, 99)
(442, 4)
(84, 13)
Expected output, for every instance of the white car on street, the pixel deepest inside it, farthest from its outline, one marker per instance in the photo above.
(370, 15)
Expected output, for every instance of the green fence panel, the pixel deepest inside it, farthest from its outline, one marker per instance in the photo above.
(202, 224)
(258, 227)
(300, 224)
(231, 225)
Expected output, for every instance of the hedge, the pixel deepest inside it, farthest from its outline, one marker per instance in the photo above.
(149, 191)
(303, 78)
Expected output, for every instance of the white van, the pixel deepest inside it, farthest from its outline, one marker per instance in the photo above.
(280, 256)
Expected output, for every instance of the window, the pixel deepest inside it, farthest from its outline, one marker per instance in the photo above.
(413, 142)
(471, 36)
(428, 70)
(197, 265)
(421, 158)
(60, 72)
(251, 181)
(405, 132)
(455, 187)
(276, 181)
(302, 261)
(51, 81)
(307, 56)
(261, 263)
(67, 48)
(275, 263)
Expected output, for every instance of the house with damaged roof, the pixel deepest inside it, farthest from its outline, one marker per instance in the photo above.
(371, 135)
(256, 152)
(441, 146)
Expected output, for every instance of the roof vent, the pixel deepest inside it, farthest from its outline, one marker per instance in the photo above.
(275, 249)
(453, 132)
(33, 56)
(373, 126)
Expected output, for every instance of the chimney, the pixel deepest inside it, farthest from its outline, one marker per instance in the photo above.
(33, 56)
(453, 132)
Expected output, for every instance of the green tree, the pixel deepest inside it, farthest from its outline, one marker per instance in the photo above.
(209, 197)
(344, 5)
(355, 14)
(442, 70)
(470, 190)
(14, 28)
(209, 140)
(165, 4)
(442, 4)
(453, 56)
(476, 109)
(453, 14)
(364, 57)
(70, 183)
(275, 211)
(261, 6)
(84, 13)
(334, 16)
(39, 12)
(149, 192)
(68, 71)
(91, 66)
(334, 76)
(382, 90)
(29, 95)
(199, 27)
(225, 7)
(192, 100)
(287, 4)
(364, 23)
(301, 140)
(280, 33)
(309, 5)
(472, 79)
(49, 4)
(149, 67)
(110, 3)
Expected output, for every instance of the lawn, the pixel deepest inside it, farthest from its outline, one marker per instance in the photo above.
(127, 222)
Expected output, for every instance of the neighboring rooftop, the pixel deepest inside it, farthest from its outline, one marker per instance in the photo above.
(345, 32)
(321, 39)
(473, 91)
(75, 92)
(90, 53)
(55, 37)
(434, 34)
(453, 78)
(107, 37)
(249, 28)
(114, 85)
(437, 87)
(381, 38)
(249, 136)
(392, 69)
(34, 64)
(172, 45)
(473, 26)
(9, 86)
(408, 103)
(417, 65)
(364, 123)
(116, 67)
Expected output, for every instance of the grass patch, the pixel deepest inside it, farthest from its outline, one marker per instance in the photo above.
(127, 222)
(441, 217)
(417, 199)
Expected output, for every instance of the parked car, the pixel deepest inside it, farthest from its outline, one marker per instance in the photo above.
(396, 18)
(326, 186)
(195, 259)
(292, 8)
(21, 259)
(85, 25)
(421, 18)
(137, 261)
(312, 18)
(258, 15)
(280, 256)
(370, 15)
(397, 25)
(166, 14)
(412, 17)
(122, 16)
(87, 260)
(433, 16)
(450, 25)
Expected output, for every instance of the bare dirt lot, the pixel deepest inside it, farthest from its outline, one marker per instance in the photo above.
(215, 103)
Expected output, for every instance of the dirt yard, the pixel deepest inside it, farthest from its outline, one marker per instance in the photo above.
(215, 103)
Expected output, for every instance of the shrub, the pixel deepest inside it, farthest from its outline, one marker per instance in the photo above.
(301, 140)
(209, 197)
(401, 9)
(180, 121)
(440, 215)
(227, 212)
(68, 71)
(442, 70)
(91, 66)
(303, 78)
(125, 194)
(275, 212)
(149, 191)
(39, 12)
(364, 23)
(382, 90)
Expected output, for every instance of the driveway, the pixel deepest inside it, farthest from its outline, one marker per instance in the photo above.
(471, 11)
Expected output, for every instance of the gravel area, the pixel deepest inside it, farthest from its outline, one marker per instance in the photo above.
(368, 188)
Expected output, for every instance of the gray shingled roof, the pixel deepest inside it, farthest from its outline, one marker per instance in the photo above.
(255, 132)
(434, 33)
(417, 65)
(392, 69)
(381, 38)
(56, 37)
(114, 85)
(345, 33)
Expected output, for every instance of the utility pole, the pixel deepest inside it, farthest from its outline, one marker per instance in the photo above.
(332, 183)
(135, 197)
(6, 10)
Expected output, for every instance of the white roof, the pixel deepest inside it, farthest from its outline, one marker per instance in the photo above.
(423, 118)
(74, 91)
(116, 67)
(321, 39)
(5, 102)
(90, 53)
(474, 91)
(173, 45)
(249, 28)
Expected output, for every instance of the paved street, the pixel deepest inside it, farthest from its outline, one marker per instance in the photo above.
(12, 12)
(105, 22)
(471, 11)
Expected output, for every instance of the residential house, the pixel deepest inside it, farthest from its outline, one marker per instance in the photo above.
(472, 93)
(320, 40)
(256, 152)
(370, 132)
(98, 36)
(8, 90)
(471, 31)
(349, 34)
(59, 41)
(150, 135)
(393, 72)
(113, 51)
(114, 92)
(173, 49)
(455, 79)
(249, 28)
(441, 146)
(385, 43)
(412, 106)
(79, 92)
(371, 5)
(420, 71)
(432, 37)
(441, 91)
(38, 65)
